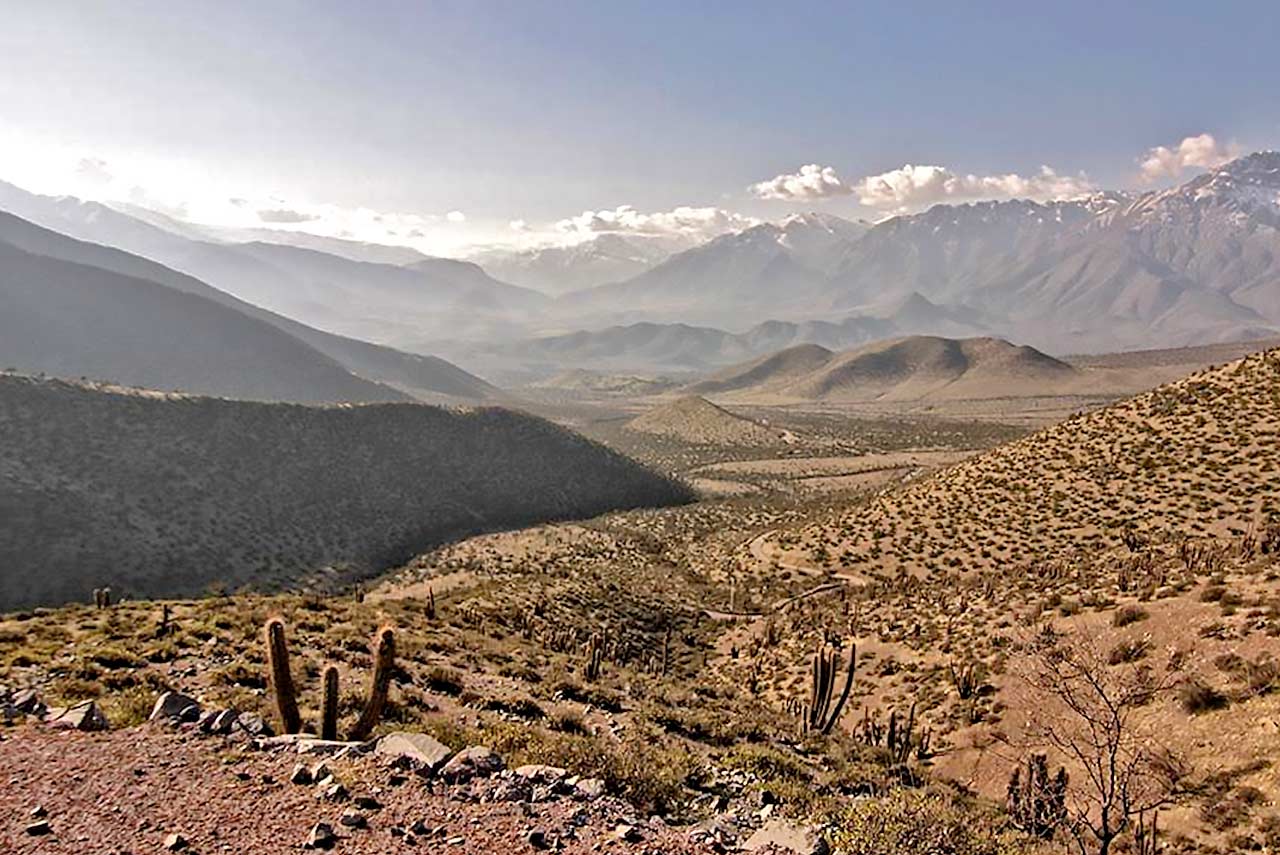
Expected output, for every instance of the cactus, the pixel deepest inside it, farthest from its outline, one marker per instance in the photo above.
(102, 597)
(329, 711)
(281, 677)
(431, 603)
(820, 714)
(965, 678)
(1145, 834)
(1037, 802)
(594, 652)
(383, 664)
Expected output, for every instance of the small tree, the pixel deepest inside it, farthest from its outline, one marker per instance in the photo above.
(1088, 712)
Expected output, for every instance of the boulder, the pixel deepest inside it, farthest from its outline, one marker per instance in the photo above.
(588, 789)
(175, 707)
(328, 747)
(83, 716)
(253, 724)
(474, 762)
(413, 750)
(321, 837)
(27, 701)
(543, 774)
(788, 837)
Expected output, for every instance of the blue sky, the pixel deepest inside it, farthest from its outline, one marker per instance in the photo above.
(538, 111)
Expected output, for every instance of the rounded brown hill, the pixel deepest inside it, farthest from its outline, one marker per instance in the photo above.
(904, 369)
(783, 366)
(697, 421)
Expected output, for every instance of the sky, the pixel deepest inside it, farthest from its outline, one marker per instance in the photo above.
(450, 125)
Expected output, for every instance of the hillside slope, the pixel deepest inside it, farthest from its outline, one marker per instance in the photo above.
(425, 377)
(1196, 457)
(168, 495)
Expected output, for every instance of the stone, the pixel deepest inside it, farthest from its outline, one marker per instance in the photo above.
(175, 843)
(301, 776)
(353, 818)
(474, 762)
(28, 702)
(82, 716)
(321, 837)
(321, 772)
(627, 833)
(335, 792)
(253, 724)
(327, 747)
(415, 750)
(589, 789)
(788, 837)
(543, 774)
(537, 838)
(39, 828)
(368, 803)
(38, 812)
(224, 721)
(174, 706)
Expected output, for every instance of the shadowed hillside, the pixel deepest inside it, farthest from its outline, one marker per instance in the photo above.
(168, 495)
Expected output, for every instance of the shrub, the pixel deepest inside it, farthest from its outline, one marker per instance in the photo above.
(1126, 615)
(910, 822)
(1198, 697)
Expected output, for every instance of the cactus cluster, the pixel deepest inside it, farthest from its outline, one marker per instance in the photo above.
(897, 736)
(1035, 799)
(102, 597)
(286, 696)
(823, 710)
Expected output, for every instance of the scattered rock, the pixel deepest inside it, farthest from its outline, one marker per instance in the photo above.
(39, 828)
(328, 747)
(176, 707)
(335, 792)
(353, 818)
(175, 843)
(38, 812)
(474, 762)
(415, 750)
(253, 724)
(589, 789)
(783, 835)
(83, 716)
(543, 774)
(537, 838)
(301, 776)
(28, 702)
(627, 833)
(321, 837)
(368, 803)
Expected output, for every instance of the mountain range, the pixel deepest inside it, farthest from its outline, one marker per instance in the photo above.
(74, 308)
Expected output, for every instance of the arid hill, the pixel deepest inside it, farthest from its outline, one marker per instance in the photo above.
(164, 495)
(902, 369)
(698, 421)
(1197, 457)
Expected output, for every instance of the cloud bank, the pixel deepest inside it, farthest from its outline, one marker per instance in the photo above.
(913, 187)
(678, 222)
(1198, 152)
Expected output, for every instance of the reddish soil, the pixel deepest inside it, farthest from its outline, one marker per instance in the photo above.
(126, 791)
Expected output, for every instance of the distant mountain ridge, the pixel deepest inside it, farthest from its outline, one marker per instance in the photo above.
(417, 376)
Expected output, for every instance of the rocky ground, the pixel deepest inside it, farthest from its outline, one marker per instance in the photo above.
(218, 782)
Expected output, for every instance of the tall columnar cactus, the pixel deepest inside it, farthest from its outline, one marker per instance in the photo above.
(383, 664)
(329, 711)
(431, 603)
(595, 650)
(281, 677)
(823, 710)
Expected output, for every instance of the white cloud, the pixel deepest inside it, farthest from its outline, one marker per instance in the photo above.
(683, 221)
(810, 182)
(518, 225)
(914, 187)
(1198, 152)
(285, 215)
(94, 170)
(456, 217)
